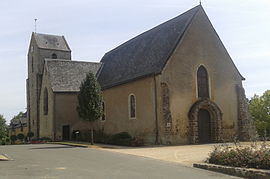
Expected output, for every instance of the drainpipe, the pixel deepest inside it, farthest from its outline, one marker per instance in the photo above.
(156, 112)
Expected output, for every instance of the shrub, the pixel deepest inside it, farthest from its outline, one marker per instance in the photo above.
(101, 137)
(30, 134)
(252, 156)
(122, 138)
(85, 136)
(137, 141)
(13, 138)
(20, 136)
(45, 139)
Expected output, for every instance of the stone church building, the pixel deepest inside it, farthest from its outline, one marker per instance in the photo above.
(173, 84)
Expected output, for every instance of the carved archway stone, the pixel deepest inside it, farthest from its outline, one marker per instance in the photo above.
(216, 120)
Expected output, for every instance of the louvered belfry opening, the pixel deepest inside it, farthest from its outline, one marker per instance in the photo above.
(45, 102)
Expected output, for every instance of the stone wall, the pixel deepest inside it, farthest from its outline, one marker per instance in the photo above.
(167, 117)
(246, 127)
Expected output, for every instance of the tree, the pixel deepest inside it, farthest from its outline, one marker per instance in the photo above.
(30, 135)
(3, 128)
(18, 116)
(259, 108)
(20, 137)
(13, 138)
(90, 101)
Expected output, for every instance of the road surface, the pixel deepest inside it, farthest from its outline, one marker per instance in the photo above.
(59, 161)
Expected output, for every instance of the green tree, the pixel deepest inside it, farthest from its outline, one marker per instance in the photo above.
(13, 138)
(90, 101)
(3, 128)
(259, 108)
(20, 137)
(18, 116)
(30, 134)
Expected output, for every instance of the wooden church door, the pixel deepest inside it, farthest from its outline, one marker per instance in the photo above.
(204, 126)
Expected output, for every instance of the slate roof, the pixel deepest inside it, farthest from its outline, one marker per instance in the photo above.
(53, 42)
(66, 75)
(145, 54)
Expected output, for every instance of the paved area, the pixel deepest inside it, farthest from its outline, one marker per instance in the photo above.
(185, 155)
(59, 161)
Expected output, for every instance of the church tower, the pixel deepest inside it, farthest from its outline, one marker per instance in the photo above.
(42, 46)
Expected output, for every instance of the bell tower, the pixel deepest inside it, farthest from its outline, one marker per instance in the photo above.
(42, 46)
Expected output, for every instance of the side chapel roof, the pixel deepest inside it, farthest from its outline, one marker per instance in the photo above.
(66, 75)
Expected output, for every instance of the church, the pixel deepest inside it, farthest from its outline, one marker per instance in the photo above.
(173, 84)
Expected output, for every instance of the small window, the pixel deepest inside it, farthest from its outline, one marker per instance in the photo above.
(132, 106)
(45, 102)
(103, 118)
(54, 56)
(32, 64)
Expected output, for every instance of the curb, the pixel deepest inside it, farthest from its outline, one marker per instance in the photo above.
(76, 145)
(235, 171)
(69, 144)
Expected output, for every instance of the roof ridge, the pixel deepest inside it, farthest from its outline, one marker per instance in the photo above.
(72, 61)
(35, 33)
(182, 34)
(146, 53)
(155, 27)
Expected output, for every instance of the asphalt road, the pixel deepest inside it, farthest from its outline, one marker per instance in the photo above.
(58, 161)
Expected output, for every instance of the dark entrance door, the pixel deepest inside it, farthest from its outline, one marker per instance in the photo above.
(204, 126)
(66, 132)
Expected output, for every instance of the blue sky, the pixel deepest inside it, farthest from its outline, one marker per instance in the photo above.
(93, 27)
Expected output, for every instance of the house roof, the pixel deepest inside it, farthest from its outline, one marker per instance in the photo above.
(66, 75)
(145, 54)
(53, 42)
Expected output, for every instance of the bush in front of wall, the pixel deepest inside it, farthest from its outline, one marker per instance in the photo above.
(20, 137)
(248, 156)
(13, 138)
(122, 138)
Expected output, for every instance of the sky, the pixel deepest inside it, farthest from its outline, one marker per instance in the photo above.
(94, 27)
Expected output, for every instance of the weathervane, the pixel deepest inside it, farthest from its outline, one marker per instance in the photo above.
(35, 25)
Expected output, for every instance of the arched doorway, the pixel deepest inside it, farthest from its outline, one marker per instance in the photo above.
(204, 126)
(205, 122)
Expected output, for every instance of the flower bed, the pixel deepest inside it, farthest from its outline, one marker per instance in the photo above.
(248, 156)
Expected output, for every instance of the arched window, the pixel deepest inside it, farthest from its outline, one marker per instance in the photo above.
(103, 118)
(202, 83)
(54, 56)
(45, 102)
(132, 106)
